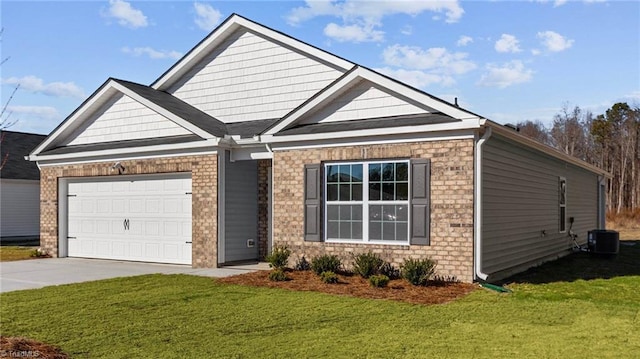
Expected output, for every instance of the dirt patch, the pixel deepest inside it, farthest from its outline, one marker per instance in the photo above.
(17, 347)
(356, 286)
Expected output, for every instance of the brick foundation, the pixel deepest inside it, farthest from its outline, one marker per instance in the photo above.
(204, 176)
(451, 203)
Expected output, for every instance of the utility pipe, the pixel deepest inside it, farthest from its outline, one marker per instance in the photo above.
(477, 223)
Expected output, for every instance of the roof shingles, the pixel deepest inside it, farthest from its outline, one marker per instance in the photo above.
(14, 146)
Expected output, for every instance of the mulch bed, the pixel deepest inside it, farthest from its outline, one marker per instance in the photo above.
(356, 286)
(17, 347)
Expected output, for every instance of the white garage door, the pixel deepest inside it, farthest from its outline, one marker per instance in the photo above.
(144, 219)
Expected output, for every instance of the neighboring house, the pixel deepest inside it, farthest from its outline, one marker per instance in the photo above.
(255, 139)
(19, 187)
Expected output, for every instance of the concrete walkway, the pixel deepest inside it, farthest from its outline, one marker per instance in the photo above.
(38, 273)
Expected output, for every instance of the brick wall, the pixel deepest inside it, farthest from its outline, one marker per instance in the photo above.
(263, 207)
(204, 176)
(451, 203)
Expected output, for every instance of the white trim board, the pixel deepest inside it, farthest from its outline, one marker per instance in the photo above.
(422, 137)
(125, 158)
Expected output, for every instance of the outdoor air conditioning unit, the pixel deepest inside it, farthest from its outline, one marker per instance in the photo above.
(602, 241)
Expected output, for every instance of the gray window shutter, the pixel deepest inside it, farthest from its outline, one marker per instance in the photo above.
(312, 203)
(420, 206)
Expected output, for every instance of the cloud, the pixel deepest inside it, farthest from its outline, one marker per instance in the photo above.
(206, 16)
(407, 30)
(353, 33)
(510, 73)
(56, 89)
(556, 3)
(507, 43)
(373, 11)
(362, 19)
(152, 53)
(554, 42)
(126, 14)
(464, 40)
(417, 78)
(437, 58)
(40, 112)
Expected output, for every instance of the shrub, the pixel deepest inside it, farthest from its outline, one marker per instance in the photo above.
(418, 271)
(325, 263)
(278, 275)
(38, 253)
(390, 271)
(279, 257)
(302, 264)
(378, 280)
(445, 279)
(329, 277)
(367, 264)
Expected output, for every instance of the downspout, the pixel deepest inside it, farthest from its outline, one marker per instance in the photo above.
(477, 223)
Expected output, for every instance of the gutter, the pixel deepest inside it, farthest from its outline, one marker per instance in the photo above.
(477, 222)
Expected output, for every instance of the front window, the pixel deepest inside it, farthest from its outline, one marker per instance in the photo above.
(367, 201)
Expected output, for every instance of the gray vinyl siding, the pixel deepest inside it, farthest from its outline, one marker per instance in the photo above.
(241, 209)
(520, 200)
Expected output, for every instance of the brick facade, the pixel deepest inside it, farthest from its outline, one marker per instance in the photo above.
(452, 178)
(263, 207)
(204, 176)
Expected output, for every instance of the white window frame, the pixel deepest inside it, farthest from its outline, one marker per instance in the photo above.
(365, 203)
(562, 225)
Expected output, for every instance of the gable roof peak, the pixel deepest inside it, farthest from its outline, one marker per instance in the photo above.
(230, 25)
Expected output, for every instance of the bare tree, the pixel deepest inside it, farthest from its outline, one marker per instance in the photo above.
(568, 132)
(5, 114)
(535, 130)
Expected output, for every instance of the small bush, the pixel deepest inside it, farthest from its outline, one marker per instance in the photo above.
(378, 280)
(325, 263)
(329, 277)
(367, 264)
(279, 257)
(445, 279)
(278, 275)
(418, 271)
(302, 264)
(390, 271)
(38, 253)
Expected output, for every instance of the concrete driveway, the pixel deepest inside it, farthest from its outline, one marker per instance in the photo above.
(38, 273)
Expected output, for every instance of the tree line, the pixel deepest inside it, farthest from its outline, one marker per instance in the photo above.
(610, 141)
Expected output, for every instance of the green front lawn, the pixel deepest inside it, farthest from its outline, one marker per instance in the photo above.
(180, 316)
(15, 253)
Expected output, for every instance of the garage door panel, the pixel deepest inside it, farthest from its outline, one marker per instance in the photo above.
(87, 226)
(156, 210)
(88, 205)
(118, 249)
(152, 250)
(117, 226)
(171, 251)
(136, 205)
(103, 206)
(103, 227)
(153, 206)
(170, 228)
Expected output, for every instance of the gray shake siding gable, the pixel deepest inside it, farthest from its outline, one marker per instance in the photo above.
(520, 198)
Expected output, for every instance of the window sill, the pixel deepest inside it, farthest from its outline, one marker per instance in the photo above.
(383, 243)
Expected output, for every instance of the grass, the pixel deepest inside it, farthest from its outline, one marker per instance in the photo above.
(151, 316)
(15, 253)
